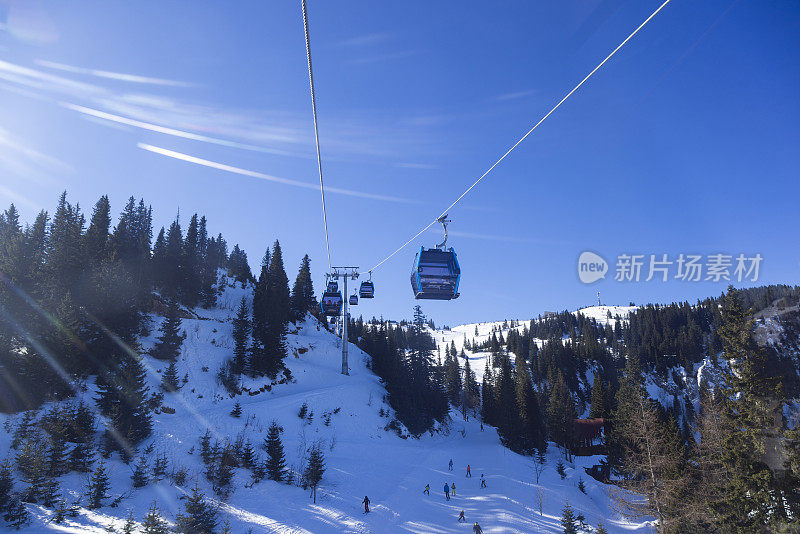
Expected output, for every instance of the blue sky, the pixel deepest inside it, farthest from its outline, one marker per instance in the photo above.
(685, 142)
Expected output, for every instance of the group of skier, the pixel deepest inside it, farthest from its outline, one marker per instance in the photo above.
(448, 490)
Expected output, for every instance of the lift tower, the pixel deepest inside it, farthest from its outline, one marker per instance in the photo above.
(344, 273)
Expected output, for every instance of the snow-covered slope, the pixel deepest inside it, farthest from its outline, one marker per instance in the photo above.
(362, 458)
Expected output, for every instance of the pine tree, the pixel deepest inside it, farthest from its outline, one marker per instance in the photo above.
(97, 488)
(153, 522)
(237, 410)
(452, 377)
(532, 424)
(60, 512)
(169, 380)
(303, 299)
(16, 515)
(601, 528)
(191, 261)
(238, 267)
(168, 344)
(652, 455)
(123, 398)
(198, 517)
(173, 255)
(140, 476)
(6, 485)
(742, 495)
(95, 240)
(508, 421)
(488, 410)
(561, 413)
(159, 261)
(160, 467)
(32, 465)
(81, 457)
(568, 519)
(248, 456)
(561, 470)
(57, 463)
(241, 333)
(598, 402)
(315, 469)
(278, 312)
(276, 461)
(50, 492)
(130, 524)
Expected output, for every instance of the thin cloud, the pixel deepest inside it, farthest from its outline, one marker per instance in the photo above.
(513, 96)
(367, 40)
(415, 166)
(275, 132)
(167, 131)
(491, 237)
(262, 176)
(20, 160)
(132, 78)
(379, 58)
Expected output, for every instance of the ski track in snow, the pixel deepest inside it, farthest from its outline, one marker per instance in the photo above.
(361, 457)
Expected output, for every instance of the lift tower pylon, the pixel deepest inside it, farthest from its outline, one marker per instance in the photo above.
(344, 273)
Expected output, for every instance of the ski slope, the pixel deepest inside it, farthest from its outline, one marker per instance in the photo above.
(362, 458)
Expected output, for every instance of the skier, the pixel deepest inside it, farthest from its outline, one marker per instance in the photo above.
(483, 481)
(453, 489)
(366, 504)
(481, 426)
(450, 467)
(469, 473)
(477, 529)
(461, 517)
(446, 491)
(427, 490)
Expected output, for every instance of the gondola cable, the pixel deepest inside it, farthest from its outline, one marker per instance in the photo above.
(316, 133)
(496, 163)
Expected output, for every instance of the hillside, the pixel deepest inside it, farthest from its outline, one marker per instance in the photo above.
(362, 456)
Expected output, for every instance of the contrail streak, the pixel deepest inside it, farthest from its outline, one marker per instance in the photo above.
(133, 78)
(170, 131)
(254, 174)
